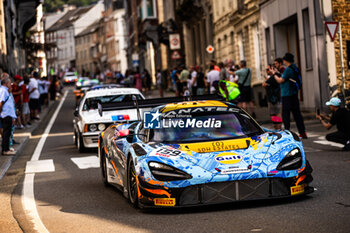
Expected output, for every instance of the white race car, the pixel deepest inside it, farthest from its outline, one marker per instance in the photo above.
(88, 122)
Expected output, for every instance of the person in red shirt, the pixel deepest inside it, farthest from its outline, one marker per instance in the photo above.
(25, 104)
(18, 97)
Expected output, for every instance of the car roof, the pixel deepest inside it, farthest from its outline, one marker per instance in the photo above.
(112, 91)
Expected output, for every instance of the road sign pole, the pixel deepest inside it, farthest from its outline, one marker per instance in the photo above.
(341, 60)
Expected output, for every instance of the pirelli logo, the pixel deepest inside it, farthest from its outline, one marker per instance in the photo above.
(164, 201)
(297, 189)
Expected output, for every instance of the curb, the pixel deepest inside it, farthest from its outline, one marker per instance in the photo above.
(11, 159)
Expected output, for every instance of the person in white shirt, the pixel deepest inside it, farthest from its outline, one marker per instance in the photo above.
(34, 96)
(213, 77)
(43, 85)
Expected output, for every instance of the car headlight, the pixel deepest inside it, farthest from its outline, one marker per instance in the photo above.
(93, 128)
(165, 172)
(101, 127)
(293, 160)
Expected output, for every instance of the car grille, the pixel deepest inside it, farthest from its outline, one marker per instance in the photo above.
(222, 192)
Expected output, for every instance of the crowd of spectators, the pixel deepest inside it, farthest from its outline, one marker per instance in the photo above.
(21, 101)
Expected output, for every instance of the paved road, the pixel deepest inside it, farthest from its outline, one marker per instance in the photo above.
(71, 199)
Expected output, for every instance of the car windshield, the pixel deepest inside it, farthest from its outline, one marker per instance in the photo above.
(91, 103)
(233, 125)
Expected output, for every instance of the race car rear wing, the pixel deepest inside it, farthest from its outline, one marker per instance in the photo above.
(152, 103)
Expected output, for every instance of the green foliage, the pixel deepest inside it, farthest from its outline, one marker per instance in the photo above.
(53, 5)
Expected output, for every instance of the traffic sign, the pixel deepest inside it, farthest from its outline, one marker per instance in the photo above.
(135, 60)
(174, 40)
(175, 55)
(210, 49)
(332, 28)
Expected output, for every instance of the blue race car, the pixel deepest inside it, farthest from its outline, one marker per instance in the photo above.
(198, 153)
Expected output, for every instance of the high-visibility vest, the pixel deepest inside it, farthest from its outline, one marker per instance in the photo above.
(232, 89)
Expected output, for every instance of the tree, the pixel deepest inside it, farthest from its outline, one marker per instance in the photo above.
(53, 5)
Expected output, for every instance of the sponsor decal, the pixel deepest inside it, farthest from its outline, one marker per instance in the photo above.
(272, 173)
(297, 189)
(235, 170)
(120, 118)
(194, 105)
(228, 158)
(204, 147)
(164, 201)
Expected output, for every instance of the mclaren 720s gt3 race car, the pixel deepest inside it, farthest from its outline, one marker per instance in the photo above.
(199, 152)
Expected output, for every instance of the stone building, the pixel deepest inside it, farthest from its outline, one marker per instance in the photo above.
(3, 49)
(298, 27)
(341, 13)
(197, 24)
(115, 40)
(237, 36)
(84, 43)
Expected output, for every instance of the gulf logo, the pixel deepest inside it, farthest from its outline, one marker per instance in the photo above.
(228, 158)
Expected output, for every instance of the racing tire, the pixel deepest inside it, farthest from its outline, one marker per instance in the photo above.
(132, 185)
(103, 163)
(80, 144)
(75, 138)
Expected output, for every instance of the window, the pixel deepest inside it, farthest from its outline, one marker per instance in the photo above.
(148, 9)
(307, 39)
(268, 45)
(240, 46)
(256, 39)
(117, 47)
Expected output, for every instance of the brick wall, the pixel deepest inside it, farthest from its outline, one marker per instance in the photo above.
(341, 13)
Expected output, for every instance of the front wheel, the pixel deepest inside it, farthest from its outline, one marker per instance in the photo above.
(80, 144)
(103, 163)
(132, 185)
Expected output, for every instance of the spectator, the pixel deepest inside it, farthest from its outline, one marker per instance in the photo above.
(34, 96)
(192, 86)
(174, 78)
(199, 80)
(147, 81)
(340, 118)
(244, 81)
(213, 77)
(183, 78)
(159, 82)
(8, 115)
(44, 85)
(224, 75)
(289, 93)
(138, 81)
(52, 88)
(25, 107)
(228, 90)
(213, 62)
(278, 63)
(18, 97)
(273, 94)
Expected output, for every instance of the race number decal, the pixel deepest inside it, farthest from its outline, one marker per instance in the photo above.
(167, 152)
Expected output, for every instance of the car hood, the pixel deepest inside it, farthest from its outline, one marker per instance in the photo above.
(227, 156)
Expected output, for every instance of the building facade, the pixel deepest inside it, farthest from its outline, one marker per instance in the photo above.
(84, 48)
(196, 18)
(341, 13)
(115, 41)
(297, 27)
(3, 49)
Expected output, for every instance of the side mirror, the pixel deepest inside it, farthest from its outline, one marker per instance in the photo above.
(76, 112)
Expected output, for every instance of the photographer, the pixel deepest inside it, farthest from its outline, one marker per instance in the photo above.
(340, 118)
